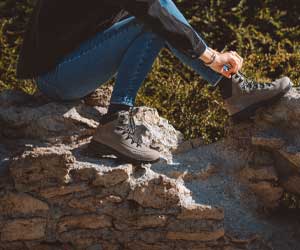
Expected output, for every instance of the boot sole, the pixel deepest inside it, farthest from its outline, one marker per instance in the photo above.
(249, 111)
(101, 150)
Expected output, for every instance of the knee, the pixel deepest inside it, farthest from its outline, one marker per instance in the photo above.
(55, 93)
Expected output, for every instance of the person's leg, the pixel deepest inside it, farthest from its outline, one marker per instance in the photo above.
(134, 67)
(98, 60)
(93, 63)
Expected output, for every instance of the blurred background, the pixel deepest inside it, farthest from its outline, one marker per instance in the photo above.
(265, 32)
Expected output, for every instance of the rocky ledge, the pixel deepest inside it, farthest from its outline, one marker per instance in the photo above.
(55, 194)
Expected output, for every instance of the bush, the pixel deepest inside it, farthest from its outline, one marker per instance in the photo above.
(265, 32)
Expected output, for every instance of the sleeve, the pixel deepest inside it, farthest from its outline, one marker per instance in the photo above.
(163, 18)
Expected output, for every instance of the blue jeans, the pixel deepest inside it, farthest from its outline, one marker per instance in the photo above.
(127, 50)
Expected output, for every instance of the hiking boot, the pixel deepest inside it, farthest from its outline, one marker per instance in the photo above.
(117, 135)
(242, 96)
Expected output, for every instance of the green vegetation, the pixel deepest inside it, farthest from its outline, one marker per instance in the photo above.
(265, 32)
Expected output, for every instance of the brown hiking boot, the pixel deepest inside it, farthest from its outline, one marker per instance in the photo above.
(242, 97)
(117, 135)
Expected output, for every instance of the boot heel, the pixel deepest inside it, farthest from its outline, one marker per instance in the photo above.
(99, 148)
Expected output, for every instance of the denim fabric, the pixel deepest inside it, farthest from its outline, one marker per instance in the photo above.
(126, 50)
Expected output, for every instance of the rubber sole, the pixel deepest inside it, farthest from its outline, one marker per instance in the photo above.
(101, 150)
(249, 111)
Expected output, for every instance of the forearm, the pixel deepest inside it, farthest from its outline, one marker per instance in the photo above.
(164, 18)
(208, 56)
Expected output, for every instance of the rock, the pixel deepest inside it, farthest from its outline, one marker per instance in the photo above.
(42, 167)
(197, 211)
(292, 154)
(142, 222)
(292, 184)
(55, 195)
(62, 190)
(160, 192)
(159, 133)
(23, 229)
(90, 221)
(14, 204)
(113, 176)
(53, 122)
(267, 193)
(100, 97)
(268, 141)
(14, 98)
(202, 236)
(263, 173)
(92, 204)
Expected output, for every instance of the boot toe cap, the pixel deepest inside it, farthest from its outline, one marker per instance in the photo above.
(285, 82)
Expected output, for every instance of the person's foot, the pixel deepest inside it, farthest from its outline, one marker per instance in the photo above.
(242, 97)
(117, 135)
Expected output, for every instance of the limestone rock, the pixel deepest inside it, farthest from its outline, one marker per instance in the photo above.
(268, 193)
(90, 221)
(159, 133)
(198, 211)
(62, 190)
(292, 154)
(100, 97)
(113, 176)
(23, 229)
(160, 192)
(14, 204)
(202, 236)
(40, 168)
(54, 195)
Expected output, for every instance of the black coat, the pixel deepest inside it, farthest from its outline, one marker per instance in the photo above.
(57, 27)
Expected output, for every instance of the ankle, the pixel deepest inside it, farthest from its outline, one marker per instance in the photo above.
(116, 107)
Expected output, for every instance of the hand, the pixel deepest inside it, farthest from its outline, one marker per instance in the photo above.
(231, 59)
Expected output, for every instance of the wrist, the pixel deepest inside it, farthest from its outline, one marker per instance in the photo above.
(208, 56)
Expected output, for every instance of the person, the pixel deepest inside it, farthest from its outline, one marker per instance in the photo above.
(72, 47)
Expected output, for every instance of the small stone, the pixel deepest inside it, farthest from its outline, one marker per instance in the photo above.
(151, 221)
(160, 192)
(63, 190)
(41, 167)
(267, 193)
(201, 236)
(92, 204)
(88, 221)
(268, 141)
(197, 211)
(100, 97)
(113, 176)
(13, 204)
(23, 229)
(292, 184)
(292, 154)
(263, 173)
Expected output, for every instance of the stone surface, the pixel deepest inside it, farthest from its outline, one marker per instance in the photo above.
(23, 229)
(113, 176)
(13, 204)
(100, 97)
(55, 195)
(89, 221)
(40, 168)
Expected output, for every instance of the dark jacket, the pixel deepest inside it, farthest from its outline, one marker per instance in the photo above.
(57, 27)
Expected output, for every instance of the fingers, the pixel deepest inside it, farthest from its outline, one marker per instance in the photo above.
(234, 66)
(239, 58)
(232, 59)
(226, 73)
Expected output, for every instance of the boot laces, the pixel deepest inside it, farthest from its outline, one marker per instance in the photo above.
(129, 129)
(250, 85)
